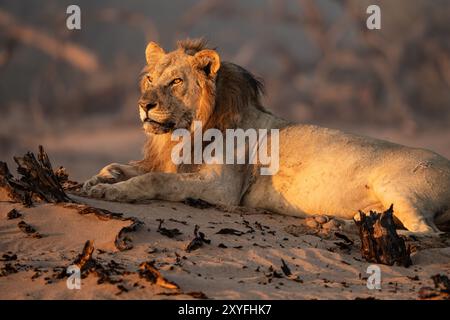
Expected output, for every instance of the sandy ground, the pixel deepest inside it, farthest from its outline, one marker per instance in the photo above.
(243, 265)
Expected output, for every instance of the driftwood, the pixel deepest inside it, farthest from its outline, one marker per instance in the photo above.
(40, 178)
(15, 190)
(106, 273)
(37, 181)
(197, 242)
(84, 259)
(441, 290)
(63, 178)
(380, 242)
(29, 230)
(170, 233)
(148, 271)
(13, 214)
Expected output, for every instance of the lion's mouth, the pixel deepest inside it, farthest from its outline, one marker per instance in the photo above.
(158, 127)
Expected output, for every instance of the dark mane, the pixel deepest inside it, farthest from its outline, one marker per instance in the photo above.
(192, 46)
(251, 86)
(236, 90)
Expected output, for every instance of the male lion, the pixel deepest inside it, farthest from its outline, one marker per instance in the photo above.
(320, 171)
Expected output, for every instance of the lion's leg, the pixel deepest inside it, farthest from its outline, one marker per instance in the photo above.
(171, 186)
(113, 173)
(411, 215)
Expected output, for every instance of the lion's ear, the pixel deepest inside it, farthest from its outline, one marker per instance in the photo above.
(208, 61)
(153, 52)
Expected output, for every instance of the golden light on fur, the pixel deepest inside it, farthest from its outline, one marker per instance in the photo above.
(322, 171)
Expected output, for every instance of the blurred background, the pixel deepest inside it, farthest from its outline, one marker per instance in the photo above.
(75, 91)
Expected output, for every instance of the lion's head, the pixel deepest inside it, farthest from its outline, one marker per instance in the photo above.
(173, 83)
(189, 84)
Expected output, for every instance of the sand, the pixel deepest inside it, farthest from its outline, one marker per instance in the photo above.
(246, 265)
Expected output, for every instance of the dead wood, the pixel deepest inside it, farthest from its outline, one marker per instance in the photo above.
(63, 178)
(84, 259)
(148, 271)
(7, 270)
(88, 265)
(40, 178)
(13, 214)
(37, 180)
(198, 241)
(122, 241)
(8, 257)
(380, 242)
(286, 270)
(170, 233)
(441, 290)
(198, 203)
(29, 230)
(15, 190)
(230, 231)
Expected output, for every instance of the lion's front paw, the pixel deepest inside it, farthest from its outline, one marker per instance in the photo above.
(106, 191)
(112, 173)
(88, 184)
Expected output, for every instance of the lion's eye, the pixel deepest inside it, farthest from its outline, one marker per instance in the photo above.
(176, 81)
(149, 79)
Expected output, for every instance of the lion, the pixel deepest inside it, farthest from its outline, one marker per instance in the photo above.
(321, 171)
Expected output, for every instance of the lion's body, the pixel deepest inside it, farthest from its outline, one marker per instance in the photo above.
(321, 171)
(338, 174)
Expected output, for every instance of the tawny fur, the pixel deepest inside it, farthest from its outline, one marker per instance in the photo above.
(322, 171)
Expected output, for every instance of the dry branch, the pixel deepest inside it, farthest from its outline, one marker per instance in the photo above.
(380, 242)
(37, 181)
(197, 242)
(82, 261)
(148, 271)
(15, 190)
(441, 290)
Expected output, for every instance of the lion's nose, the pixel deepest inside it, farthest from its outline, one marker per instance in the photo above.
(147, 105)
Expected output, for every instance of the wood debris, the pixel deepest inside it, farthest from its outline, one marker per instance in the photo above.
(170, 233)
(284, 267)
(63, 178)
(441, 290)
(197, 203)
(8, 257)
(37, 180)
(230, 231)
(84, 260)
(29, 230)
(380, 242)
(7, 270)
(198, 241)
(148, 271)
(13, 214)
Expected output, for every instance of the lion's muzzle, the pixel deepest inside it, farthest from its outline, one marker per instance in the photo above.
(147, 105)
